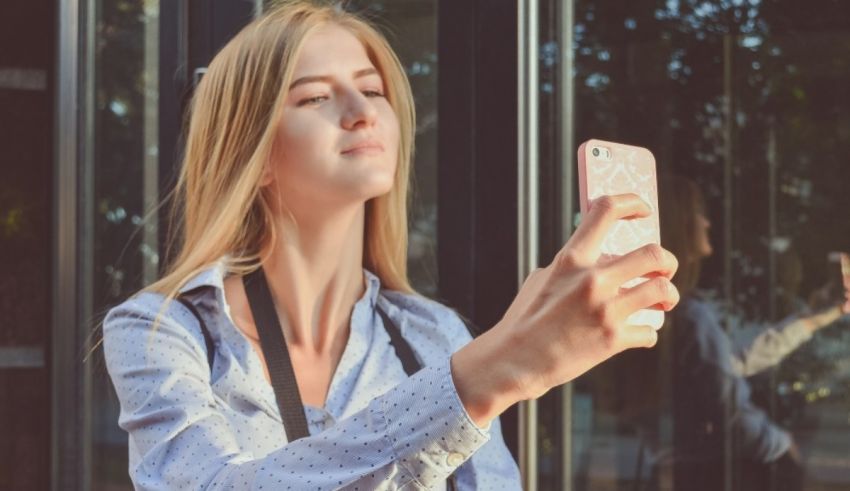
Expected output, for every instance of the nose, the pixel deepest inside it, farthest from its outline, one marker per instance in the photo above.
(359, 111)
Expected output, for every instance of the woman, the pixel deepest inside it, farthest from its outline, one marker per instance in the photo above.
(293, 192)
(709, 392)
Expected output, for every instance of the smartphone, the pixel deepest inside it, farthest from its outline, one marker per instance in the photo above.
(608, 168)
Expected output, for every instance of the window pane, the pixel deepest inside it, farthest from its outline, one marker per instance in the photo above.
(125, 254)
(412, 32)
(748, 101)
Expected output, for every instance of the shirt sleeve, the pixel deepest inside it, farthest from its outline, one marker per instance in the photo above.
(492, 467)
(413, 436)
(435, 331)
(770, 347)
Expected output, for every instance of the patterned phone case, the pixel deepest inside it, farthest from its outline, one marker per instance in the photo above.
(628, 170)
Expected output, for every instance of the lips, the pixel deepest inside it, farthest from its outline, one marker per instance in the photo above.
(365, 146)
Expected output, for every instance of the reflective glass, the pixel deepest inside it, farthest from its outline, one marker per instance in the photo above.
(747, 103)
(125, 188)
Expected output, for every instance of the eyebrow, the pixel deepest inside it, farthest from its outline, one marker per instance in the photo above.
(326, 78)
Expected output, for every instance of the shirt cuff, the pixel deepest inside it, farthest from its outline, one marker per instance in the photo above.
(780, 442)
(428, 426)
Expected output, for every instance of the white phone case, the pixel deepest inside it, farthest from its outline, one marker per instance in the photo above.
(623, 169)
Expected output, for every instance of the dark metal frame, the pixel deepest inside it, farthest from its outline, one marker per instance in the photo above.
(70, 457)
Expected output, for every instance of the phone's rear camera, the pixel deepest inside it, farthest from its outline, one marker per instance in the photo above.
(595, 152)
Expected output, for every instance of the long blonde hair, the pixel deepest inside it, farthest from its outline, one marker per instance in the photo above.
(681, 201)
(218, 201)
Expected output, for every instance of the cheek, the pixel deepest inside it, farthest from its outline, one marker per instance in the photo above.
(299, 145)
(392, 132)
(299, 137)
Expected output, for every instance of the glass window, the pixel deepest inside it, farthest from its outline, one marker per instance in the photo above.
(411, 27)
(125, 188)
(746, 103)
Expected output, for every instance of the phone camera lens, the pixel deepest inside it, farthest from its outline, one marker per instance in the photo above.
(595, 152)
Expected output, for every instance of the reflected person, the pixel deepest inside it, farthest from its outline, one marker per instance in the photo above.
(711, 401)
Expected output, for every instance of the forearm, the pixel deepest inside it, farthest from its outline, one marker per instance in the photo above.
(485, 378)
(821, 319)
(414, 435)
(774, 344)
(770, 347)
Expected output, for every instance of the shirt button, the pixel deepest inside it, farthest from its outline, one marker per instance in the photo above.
(455, 459)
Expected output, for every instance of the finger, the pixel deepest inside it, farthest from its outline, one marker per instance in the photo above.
(649, 260)
(638, 336)
(604, 212)
(654, 293)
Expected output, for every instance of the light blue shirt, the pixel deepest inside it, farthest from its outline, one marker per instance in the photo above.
(380, 429)
(704, 354)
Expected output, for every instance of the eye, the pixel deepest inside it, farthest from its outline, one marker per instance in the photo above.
(373, 93)
(312, 100)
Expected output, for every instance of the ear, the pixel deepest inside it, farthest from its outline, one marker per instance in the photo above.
(267, 177)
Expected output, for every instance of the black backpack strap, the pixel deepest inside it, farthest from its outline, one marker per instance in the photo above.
(402, 349)
(207, 336)
(277, 357)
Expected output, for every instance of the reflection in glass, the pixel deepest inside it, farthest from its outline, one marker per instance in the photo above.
(748, 99)
(125, 256)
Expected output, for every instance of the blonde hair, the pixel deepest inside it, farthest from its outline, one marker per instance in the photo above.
(231, 128)
(681, 201)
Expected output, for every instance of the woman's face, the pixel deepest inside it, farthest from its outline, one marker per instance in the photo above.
(337, 139)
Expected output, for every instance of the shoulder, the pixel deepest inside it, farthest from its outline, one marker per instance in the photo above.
(426, 318)
(130, 324)
(695, 307)
(698, 313)
(697, 320)
(144, 306)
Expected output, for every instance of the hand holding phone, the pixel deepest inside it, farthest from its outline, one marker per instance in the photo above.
(608, 168)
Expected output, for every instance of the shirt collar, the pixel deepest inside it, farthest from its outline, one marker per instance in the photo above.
(214, 274)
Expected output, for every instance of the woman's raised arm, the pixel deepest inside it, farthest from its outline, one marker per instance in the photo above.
(567, 317)
(414, 435)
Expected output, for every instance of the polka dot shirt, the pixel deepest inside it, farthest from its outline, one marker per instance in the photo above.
(190, 428)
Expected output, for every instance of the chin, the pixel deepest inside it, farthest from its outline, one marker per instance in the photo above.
(381, 191)
(366, 189)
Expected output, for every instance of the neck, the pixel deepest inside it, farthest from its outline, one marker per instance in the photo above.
(315, 275)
